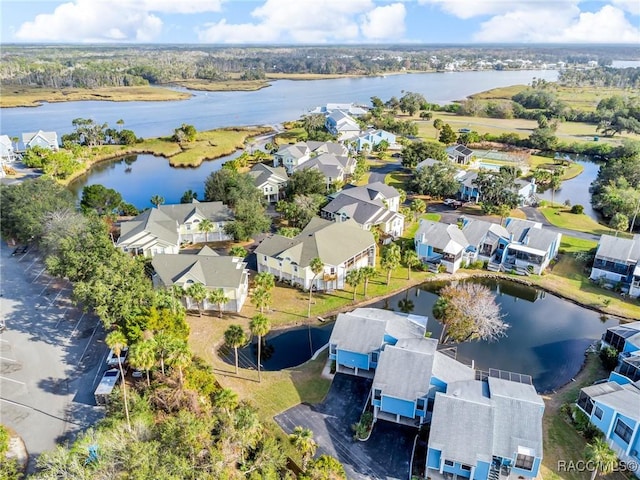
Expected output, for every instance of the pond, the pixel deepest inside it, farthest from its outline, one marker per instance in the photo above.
(139, 177)
(547, 337)
(282, 348)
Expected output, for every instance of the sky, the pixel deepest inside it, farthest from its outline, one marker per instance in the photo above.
(320, 21)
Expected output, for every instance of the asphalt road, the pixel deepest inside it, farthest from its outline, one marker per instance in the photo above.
(378, 173)
(51, 356)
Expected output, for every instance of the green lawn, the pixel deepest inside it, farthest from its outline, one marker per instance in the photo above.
(398, 179)
(561, 217)
(574, 245)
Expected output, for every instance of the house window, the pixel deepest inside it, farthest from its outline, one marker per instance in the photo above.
(333, 270)
(623, 431)
(377, 394)
(332, 349)
(598, 413)
(374, 357)
(295, 269)
(264, 258)
(466, 467)
(421, 404)
(448, 463)
(524, 462)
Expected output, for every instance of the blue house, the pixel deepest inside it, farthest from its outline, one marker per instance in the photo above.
(359, 337)
(618, 261)
(440, 244)
(614, 408)
(469, 191)
(372, 138)
(626, 339)
(531, 248)
(487, 429)
(407, 378)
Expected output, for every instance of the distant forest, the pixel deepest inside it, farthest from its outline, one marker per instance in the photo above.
(91, 66)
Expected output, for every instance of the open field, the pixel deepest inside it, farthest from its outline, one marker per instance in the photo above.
(223, 85)
(21, 96)
(561, 217)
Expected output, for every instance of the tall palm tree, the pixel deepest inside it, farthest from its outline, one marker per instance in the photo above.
(353, 279)
(259, 326)
(302, 439)
(265, 280)
(164, 344)
(390, 259)
(261, 298)
(142, 356)
(418, 207)
(410, 259)
(180, 357)
(198, 293)
(235, 337)
(226, 399)
(157, 200)
(219, 298)
(118, 342)
(206, 227)
(555, 183)
(368, 273)
(601, 457)
(317, 267)
(178, 293)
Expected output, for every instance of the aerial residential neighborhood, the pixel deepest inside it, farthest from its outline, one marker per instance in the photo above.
(318, 261)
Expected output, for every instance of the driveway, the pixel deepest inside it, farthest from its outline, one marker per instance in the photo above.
(386, 455)
(51, 356)
(379, 173)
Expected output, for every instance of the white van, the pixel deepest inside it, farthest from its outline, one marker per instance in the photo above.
(107, 383)
(112, 358)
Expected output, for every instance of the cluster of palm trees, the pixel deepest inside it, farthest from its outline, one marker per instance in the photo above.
(358, 276)
(199, 293)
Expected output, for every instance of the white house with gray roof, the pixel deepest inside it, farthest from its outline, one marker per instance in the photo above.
(7, 151)
(371, 205)
(163, 229)
(293, 157)
(342, 125)
(531, 247)
(487, 429)
(440, 244)
(48, 140)
(618, 261)
(341, 246)
(208, 268)
(348, 108)
(271, 181)
(487, 240)
(459, 154)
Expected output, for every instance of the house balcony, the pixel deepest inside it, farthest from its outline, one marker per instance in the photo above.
(391, 417)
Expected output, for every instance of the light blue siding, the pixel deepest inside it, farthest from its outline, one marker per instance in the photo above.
(619, 379)
(482, 471)
(439, 385)
(456, 469)
(433, 458)
(389, 339)
(397, 406)
(352, 359)
(628, 421)
(629, 346)
(607, 417)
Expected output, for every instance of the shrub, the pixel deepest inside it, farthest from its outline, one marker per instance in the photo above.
(577, 209)
(609, 358)
(363, 427)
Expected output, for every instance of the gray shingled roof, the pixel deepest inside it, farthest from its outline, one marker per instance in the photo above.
(358, 334)
(210, 270)
(445, 237)
(262, 173)
(153, 221)
(531, 234)
(475, 231)
(403, 373)
(333, 242)
(619, 249)
(363, 204)
(296, 150)
(214, 211)
(459, 150)
(624, 400)
(50, 137)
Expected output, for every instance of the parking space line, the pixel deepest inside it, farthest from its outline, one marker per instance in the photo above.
(89, 342)
(31, 265)
(99, 370)
(37, 276)
(75, 328)
(12, 380)
(45, 288)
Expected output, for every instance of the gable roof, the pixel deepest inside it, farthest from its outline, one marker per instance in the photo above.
(476, 231)
(153, 221)
(296, 150)
(429, 162)
(619, 249)
(624, 399)
(181, 212)
(364, 204)
(211, 270)
(50, 137)
(263, 173)
(6, 142)
(448, 238)
(334, 243)
(530, 234)
(459, 150)
(327, 163)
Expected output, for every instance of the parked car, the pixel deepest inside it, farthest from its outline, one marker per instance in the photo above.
(452, 202)
(109, 380)
(112, 358)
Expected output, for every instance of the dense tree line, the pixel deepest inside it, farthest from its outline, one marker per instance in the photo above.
(601, 77)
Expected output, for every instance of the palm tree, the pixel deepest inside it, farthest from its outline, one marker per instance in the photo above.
(410, 259)
(390, 259)
(120, 123)
(118, 342)
(317, 267)
(226, 399)
(504, 211)
(206, 227)
(235, 337)
(261, 298)
(259, 326)
(265, 280)
(368, 273)
(142, 356)
(238, 251)
(197, 292)
(554, 184)
(418, 207)
(353, 279)
(177, 291)
(157, 200)
(302, 439)
(164, 345)
(219, 298)
(601, 457)
(180, 356)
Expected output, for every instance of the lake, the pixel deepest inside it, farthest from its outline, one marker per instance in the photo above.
(139, 177)
(283, 100)
(547, 337)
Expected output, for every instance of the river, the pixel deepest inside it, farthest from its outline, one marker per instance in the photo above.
(283, 100)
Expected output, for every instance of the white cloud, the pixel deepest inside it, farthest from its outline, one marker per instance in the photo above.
(108, 20)
(473, 8)
(301, 21)
(631, 6)
(383, 23)
(560, 25)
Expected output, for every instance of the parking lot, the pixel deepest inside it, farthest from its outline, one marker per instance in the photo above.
(51, 355)
(387, 453)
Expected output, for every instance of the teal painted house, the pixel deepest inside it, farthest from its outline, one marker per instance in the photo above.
(614, 408)
(407, 378)
(487, 429)
(626, 339)
(359, 337)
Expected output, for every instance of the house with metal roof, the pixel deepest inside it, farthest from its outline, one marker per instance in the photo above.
(163, 229)
(531, 248)
(271, 181)
(342, 125)
(487, 429)
(614, 408)
(375, 204)
(342, 246)
(459, 154)
(439, 244)
(208, 268)
(48, 140)
(618, 261)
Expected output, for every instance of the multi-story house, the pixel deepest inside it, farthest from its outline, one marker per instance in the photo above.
(271, 181)
(531, 248)
(342, 125)
(48, 140)
(618, 261)
(440, 244)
